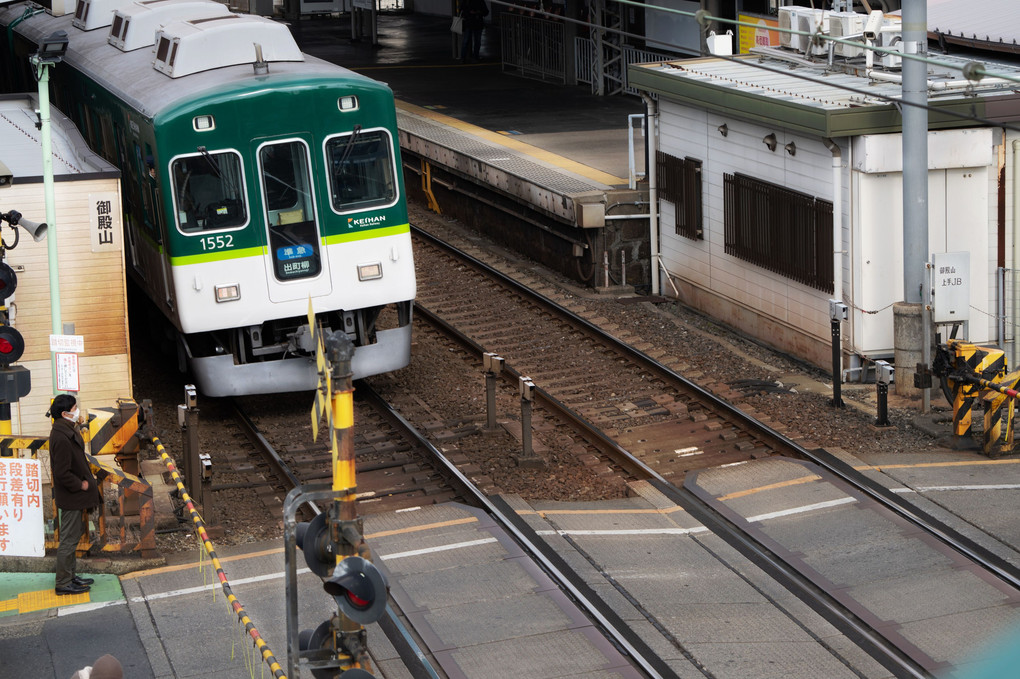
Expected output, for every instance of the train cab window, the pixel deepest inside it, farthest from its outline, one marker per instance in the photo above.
(361, 171)
(209, 191)
(290, 211)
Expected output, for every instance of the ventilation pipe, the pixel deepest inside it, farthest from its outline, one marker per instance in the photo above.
(652, 144)
(261, 65)
(837, 219)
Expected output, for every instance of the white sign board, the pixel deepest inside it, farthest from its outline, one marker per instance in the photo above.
(67, 372)
(104, 225)
(75, 343)
(950, 282)
(21, 513)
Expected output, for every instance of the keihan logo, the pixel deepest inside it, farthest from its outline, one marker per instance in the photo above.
(365, 221)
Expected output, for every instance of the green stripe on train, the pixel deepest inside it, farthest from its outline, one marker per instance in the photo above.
(222, 255)
(218, 256)
(368, 233)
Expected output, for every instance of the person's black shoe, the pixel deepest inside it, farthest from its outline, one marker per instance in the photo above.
(71, 589)
(82, 581)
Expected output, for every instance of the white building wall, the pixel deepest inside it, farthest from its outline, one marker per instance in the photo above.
(962, 176)
(963, 216)
(687, 131)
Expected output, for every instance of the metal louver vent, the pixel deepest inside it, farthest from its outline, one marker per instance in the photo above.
(204, 44)
(135, 25)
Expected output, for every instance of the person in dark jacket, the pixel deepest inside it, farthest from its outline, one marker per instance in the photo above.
(473, 12)
(74, 489)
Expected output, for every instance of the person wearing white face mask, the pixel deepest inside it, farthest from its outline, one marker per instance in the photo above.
(74, 489)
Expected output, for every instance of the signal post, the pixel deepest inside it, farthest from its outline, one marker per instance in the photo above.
(333, 543)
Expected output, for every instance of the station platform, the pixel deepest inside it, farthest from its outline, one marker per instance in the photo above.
(557, 149)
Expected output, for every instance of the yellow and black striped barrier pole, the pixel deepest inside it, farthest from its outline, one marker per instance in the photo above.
(242, 615)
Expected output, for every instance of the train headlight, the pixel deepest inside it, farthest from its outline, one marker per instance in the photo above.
(203, 123)
(228, 293)
(348, 103)
(368, 272)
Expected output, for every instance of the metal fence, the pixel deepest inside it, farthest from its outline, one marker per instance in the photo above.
(532, 47)
(586, 62)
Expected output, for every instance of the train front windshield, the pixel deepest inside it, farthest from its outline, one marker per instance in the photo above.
(208, 188)
(361, 170)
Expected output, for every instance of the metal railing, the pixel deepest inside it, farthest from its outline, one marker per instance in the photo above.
(532, 47)
(586, 62)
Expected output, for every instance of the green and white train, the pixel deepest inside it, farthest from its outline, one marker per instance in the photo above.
(255, 178)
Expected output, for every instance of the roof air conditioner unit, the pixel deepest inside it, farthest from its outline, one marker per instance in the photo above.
(813, 21)
(847, 23)
(892, 40)
(787, 21)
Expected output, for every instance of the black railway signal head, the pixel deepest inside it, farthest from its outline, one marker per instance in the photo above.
(8, 281)
(313, 540)
(320, 638)
(359, 589)
(12, 345)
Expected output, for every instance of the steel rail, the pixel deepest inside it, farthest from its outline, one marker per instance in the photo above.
(611, 623)
(980, 555)
(840, 616)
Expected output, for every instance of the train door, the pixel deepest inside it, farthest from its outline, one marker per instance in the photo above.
(296, 261)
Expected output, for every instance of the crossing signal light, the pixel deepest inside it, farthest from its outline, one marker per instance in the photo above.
(8, 281)
(12, 345)
(359, 589)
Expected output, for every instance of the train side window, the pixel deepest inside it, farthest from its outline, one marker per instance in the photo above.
(290, 210)
(209, 191)
(361, 174)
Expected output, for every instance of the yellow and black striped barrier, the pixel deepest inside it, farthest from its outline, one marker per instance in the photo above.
(980, 372)
(242, 615)
(134, 497)
(113, 430)
(9, 444)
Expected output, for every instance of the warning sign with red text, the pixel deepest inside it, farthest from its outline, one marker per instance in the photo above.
(21, 513)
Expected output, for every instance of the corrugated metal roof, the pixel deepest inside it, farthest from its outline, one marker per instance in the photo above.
(987, 24)
(786, 88)
(21, 143)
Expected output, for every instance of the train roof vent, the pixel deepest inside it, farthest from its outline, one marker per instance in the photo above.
(186, 47)
(135, 26)
(92, 14)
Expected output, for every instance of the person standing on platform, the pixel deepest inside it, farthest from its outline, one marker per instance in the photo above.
(75, 489)
(473, 12)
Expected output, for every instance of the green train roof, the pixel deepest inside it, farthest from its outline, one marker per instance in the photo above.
(130, 76)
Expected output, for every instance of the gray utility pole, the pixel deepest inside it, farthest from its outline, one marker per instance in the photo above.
(914, 337)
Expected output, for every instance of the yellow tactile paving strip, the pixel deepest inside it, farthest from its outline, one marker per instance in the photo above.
(40, 600)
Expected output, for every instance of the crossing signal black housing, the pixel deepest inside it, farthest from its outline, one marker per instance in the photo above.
(359, 589)
(313, 540)
(12, 345)
(8, 281)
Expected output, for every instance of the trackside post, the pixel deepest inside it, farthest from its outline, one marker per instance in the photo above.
(333, 543)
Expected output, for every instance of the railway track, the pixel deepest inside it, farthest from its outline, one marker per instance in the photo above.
(578, 418)
(394, 469)
(614, 396)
